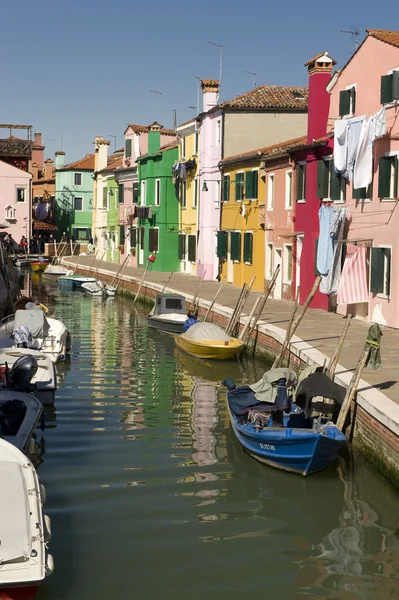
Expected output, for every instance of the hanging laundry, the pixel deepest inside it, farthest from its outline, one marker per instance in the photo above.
(325, 245)
(380, 123)
(329, 283)
(363, 171)
(354, 130)
(340, 145)
(353, 284)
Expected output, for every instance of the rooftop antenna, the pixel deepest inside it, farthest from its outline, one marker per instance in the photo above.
(354, 33)
(198, 91)
(174, 119)
(160, 104)
(254, 75)
(62, 141)
(113, 136)
(51, 140)
(221, 63)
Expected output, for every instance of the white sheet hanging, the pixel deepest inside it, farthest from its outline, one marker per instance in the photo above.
(340, 145)
(363, 171)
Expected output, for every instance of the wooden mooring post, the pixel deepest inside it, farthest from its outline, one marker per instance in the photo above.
(214, 300)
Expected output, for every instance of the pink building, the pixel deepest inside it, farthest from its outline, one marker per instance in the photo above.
(368, 83)
(15, 200)
(38, 150)
(136, 144)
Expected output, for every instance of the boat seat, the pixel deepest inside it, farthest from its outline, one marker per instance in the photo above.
(15, 539)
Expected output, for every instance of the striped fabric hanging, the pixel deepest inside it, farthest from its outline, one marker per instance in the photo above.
(353, 287)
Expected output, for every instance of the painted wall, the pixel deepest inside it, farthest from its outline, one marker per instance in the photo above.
(113, 241)
(188, 216)
(245, 131)
(16, 214)
(244, 216)
(67, 218)
(377, 219)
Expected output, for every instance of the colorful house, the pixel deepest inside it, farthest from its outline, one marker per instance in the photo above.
(136, 144)
(186, 174)
(157, 231)
(43, 198)
(15, 200)
(74, 196)
(111, 190)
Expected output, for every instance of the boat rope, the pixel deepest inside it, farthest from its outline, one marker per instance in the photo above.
(373, 343)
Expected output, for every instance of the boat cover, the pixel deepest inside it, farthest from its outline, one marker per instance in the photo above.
(242, 399)
(265, 389)
(34, 320)
(318, 384)
(15, 542)
(201, 332)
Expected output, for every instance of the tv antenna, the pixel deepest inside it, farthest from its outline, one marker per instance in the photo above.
(355, 35)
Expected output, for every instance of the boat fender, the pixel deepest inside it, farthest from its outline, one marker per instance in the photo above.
(49, 564)
(47, 528)
(32, 447)
(43, 307)
(43, 495)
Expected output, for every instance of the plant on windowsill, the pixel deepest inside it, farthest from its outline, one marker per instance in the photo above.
(121, 249)
(133, 251)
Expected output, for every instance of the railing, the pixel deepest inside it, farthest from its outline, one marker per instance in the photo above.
(20, 148)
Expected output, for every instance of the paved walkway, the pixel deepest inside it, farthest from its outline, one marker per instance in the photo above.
(319, 329)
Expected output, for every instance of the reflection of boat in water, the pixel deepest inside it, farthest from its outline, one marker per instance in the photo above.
(206, 340)
(62, 367)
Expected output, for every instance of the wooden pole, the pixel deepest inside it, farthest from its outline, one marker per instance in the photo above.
(194, 305)
(167, 283)
(263, 301)
(91, 266)
(239, 308)
(141, 282)
(278, 359)
(350, 392)
(214, 300)
(118, 280)
(77, 264)
(115, 279)
(71, 246)
(334, 359)
(244, 287)
(251, 314)
(100, 261)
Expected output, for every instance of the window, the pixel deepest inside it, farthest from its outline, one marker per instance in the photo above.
(143, 194)
(21, 194)
(192, 247)
(301, 182)
(239, 186)
(222, 245)
(78, 203)
(153, 239)
(81, 234)
(183, 147)
(235, 246)
(248, 242)
(133, 237)
(288, 189)
(218, 131)
(122, 234)
(195, 193)
(388, 177)
(128, 148)
(347, 101)
(183, 193)
(105, 198)
(330, 185)
(135, 193)
(196, 142)
(77, 179)
(270, 192)
(36, 199)
(121, 193)
(390, 87)
(251, 185)
(287, 263)
(269, 261)
(157, 201)
(182, 247)
(363, 193)
(380, 281)
(226, 188)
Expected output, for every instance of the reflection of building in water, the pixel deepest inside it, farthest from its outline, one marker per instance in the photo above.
(203, 421)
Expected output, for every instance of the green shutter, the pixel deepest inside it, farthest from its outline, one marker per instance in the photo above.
(395, 85)
(387, 254)
(181, 251)
(344, 102)
(235, 245)
(300, 182)
(335, 186)
(248, 247)
(122, 235)
(395, 181)
(384, 177)
(386, 89)
(192, 246)
(120, 193)
(359, 194)
(133, 237)
(239, 186)
(322, 179)
(128, 148)
(250, 185)
(377, 270)
(222, 244)
(226, 188)
(353, 100)
(255, 183)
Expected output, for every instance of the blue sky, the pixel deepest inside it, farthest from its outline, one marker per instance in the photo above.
(75, 70)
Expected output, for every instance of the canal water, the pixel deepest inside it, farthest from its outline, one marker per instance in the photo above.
(150, 496)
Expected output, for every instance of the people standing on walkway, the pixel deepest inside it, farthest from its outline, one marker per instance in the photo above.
(64, 238)
(23, 245)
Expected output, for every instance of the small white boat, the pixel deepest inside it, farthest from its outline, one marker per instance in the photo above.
(56, 270)
(25, 531)
(19, 414)
(45, 379)
(169, 313)
(94, 288)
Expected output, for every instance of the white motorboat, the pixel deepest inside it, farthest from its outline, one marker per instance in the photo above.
(56, 270)
(25, 531)
(94, 288)
(32, 329)
(19, 414)
(169, 313)
(45, 379)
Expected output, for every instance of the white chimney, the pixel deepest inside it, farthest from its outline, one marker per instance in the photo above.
(101, 153)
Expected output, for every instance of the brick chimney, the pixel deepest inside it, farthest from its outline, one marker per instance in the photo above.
(319, 69)
(48, 168)
(35, 171)
(154, 137)
(38, 150)
(59, 159)
(101, 153)
(210, 90)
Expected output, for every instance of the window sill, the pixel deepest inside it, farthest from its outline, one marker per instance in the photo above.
(301, 201)
(287, 281)
(383, 296)
(288, 207)
(388, 199)
(248, 263)
(194, 207)
(362, 200)
(270, 208)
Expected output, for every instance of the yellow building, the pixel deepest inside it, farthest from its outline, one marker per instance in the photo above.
(241, 239)
(186, 174)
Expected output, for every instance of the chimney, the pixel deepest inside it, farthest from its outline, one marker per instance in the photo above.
(38, 139)
(48, 168)
(210, 90)
(35, 171)
(154, 137)
(38, 150)
(59, 159)
(101, 153)
(319, 69)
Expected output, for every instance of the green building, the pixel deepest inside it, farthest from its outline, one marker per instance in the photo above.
(112, 198)
(74, 196)
(158, 212)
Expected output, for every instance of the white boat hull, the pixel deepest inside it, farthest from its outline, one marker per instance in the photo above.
(33, 413)
(45, 379)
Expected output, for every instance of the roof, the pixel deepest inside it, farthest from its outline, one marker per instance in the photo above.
(267, 152)
(334, 62)
(385, 35)
(43, 180)
(271, 96)
(170, 146)
(193, 120)
(146, 129)
(114, 162)
(43, 226)
(84, 164)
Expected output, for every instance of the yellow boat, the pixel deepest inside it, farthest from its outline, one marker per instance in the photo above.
(206, 340)
(38, 266)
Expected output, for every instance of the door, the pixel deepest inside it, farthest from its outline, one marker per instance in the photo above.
(141, 246)
(230, 264)
(299, 246)
(277, 261)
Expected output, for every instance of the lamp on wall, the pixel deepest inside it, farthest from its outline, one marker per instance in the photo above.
(204, 187)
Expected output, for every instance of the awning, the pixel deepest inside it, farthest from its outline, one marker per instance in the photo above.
(43, 226)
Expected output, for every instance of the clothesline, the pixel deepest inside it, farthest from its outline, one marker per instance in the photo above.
(357, 242)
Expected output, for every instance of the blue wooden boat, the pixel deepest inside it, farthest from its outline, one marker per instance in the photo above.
(279, 434)
(74, 282)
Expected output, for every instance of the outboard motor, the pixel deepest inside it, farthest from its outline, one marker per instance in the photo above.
(22, 372)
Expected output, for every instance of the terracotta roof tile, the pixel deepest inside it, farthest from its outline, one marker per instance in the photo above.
(266, 152)
(271, 96)
(146, 129)
(113, 164)
(187, 122)
(84, 164)
(385, 35)
(334, 62)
